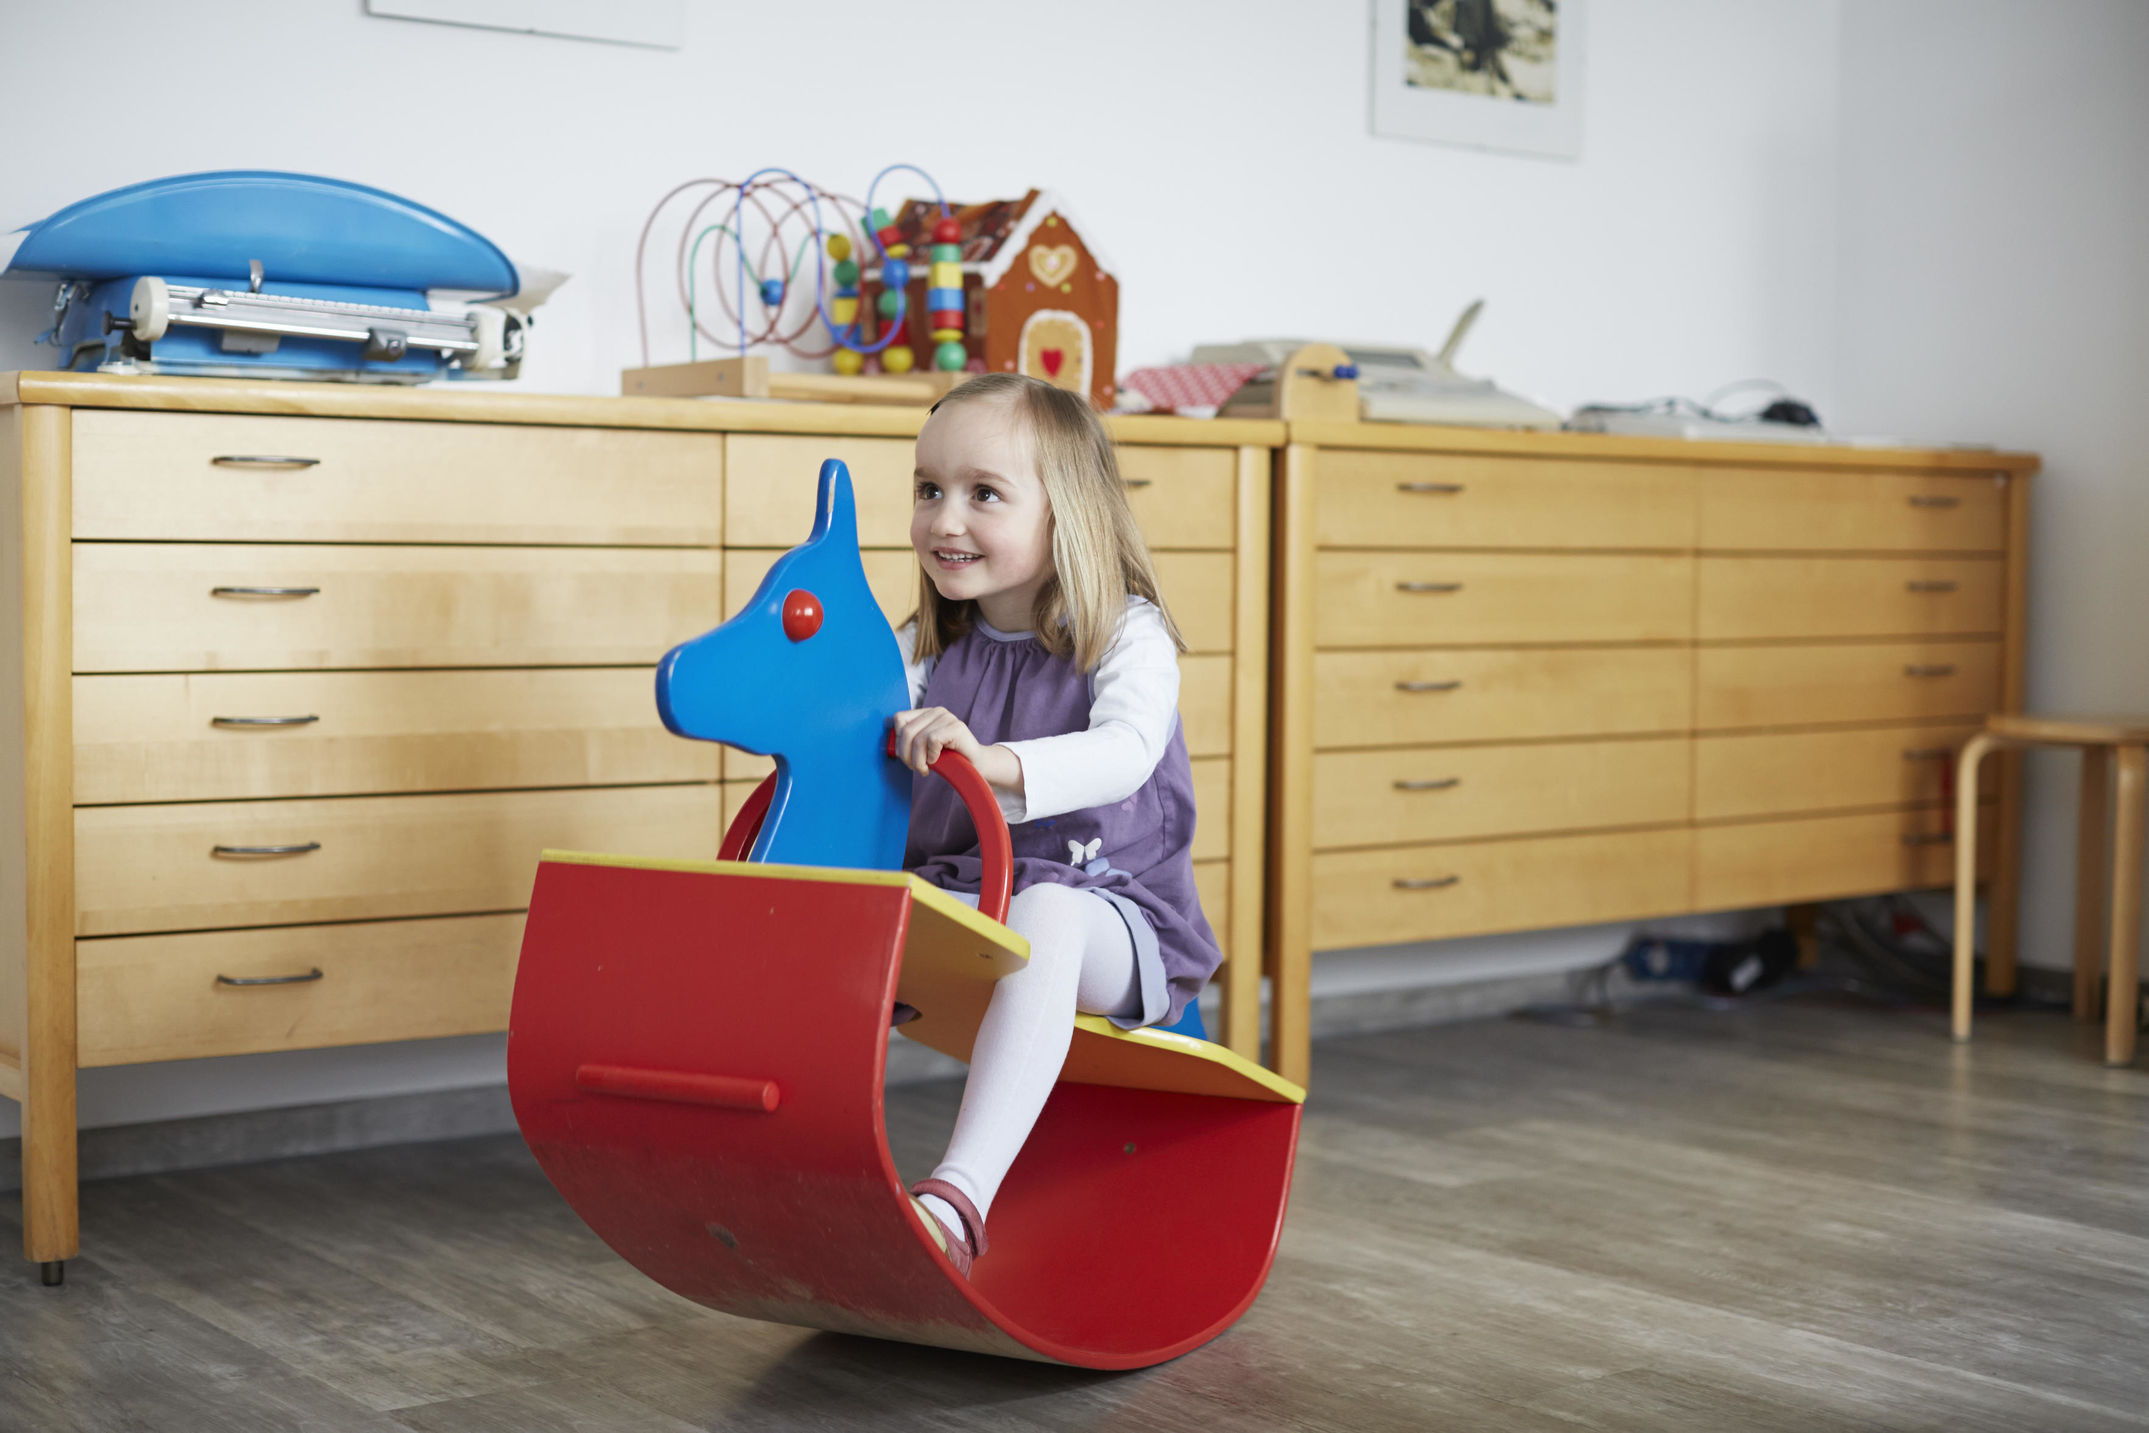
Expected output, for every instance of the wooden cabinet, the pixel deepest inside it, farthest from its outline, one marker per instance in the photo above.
(1526, 680)
(306, 677)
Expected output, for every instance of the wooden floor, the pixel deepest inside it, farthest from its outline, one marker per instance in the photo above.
(1806, 1215)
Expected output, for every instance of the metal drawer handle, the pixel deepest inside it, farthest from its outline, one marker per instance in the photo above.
(1447, 686)
(1431, 883)
(1928, 838)
(263, 591)
(1440, 488)
(1131, 483)
(1441, 785)
(1917, 586)
(313, 974)
(1934, 500)
(1428, 587)
(298, 848)
(261, 460)
(262, 721)
(1930, 669)
(1929, 753)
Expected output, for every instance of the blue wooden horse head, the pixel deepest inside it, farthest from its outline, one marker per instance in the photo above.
(807, 672)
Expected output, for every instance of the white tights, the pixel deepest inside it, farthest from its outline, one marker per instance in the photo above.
(1081, 959)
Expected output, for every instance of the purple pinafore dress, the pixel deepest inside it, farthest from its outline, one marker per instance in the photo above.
(1137, 854)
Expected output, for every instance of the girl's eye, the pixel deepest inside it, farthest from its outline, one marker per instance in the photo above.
(987, 495)
(927, 492)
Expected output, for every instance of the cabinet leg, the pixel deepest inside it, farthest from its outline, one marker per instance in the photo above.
(2122, 1003)
(52, 1273)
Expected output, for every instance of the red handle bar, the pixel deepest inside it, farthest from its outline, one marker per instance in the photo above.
(998, 878)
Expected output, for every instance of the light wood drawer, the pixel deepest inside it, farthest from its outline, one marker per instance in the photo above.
(1182, 497)
(1484, 886)
(771, 482)
(148, 606)
(1406, 698)
(151, 868)
(1811, 684)
(1205, 695)
(234, 735)
(198, 476)
(1409, 599)
(1373, 499)
(1212, 885)
(1765, 597)
(1812, 858)
(1212, 806)
(1780, 773)
(1380, 798)
(892, 575)
(1196, 587)
(1205, 704)
(157, 997)
(1767, 510)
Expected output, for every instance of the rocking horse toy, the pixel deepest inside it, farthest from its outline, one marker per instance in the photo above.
(695, 1049)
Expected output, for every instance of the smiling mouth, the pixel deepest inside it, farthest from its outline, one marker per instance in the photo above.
(953, 558)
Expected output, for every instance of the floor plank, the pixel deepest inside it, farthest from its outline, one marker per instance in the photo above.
(1804, 1214)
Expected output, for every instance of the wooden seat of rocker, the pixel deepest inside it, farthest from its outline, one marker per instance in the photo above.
(2071, 730)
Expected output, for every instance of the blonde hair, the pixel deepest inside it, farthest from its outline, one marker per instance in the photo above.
(1098, 556)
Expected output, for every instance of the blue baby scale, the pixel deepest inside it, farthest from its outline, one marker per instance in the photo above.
(261, 274)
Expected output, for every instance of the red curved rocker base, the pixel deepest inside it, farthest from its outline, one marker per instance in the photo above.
(695, 1058)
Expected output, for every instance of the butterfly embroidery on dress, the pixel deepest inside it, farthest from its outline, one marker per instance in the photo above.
(1081, 855)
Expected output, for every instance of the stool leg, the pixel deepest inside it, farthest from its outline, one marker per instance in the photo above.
(2121, 1002)
(2092, 869)
(1973, 752)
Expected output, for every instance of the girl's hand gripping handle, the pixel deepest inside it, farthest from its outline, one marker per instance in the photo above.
(997, 881)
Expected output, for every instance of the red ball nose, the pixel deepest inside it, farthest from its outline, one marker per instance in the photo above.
(801, 615)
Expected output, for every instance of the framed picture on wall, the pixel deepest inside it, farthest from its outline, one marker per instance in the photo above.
(1488, 74)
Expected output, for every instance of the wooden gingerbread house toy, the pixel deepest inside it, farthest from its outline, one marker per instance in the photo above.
(1037, 296)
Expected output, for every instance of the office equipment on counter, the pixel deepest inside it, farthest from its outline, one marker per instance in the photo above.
(258, 274)
(1398, 385)
(1783, 419)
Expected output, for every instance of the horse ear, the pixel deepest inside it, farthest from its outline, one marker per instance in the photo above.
(837, 514)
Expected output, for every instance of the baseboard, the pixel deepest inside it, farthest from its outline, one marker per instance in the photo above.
(252, 1135)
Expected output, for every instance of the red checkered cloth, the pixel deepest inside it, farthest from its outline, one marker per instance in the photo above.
(1190, 385)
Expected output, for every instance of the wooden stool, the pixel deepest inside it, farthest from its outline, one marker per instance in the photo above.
(2097, 849)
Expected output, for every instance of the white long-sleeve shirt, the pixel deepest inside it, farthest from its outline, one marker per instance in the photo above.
(1133, 709)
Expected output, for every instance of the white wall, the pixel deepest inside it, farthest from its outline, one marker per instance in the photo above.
(1217, 149)
(1994, 286)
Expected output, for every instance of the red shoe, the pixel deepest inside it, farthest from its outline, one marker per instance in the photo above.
(963, 1247)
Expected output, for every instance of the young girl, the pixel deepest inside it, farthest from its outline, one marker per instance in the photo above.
(1041, 651)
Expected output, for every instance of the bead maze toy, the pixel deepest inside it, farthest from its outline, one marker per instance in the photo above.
(844, 236)
(695, 1050)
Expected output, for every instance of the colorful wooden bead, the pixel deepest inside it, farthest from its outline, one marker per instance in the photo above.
(947, 335)
(772, 292)
(950, 357)
(947, 253)
(897, 359)
(844, 309)
(846, 271)
(899, 250)
(940, 298)
(945, 275)
(948, 230)
(889, 300)
(949, 319)
(839, 247)
(849, 362)
(894, 273)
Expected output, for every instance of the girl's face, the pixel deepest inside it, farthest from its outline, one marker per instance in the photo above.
(982, 526)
